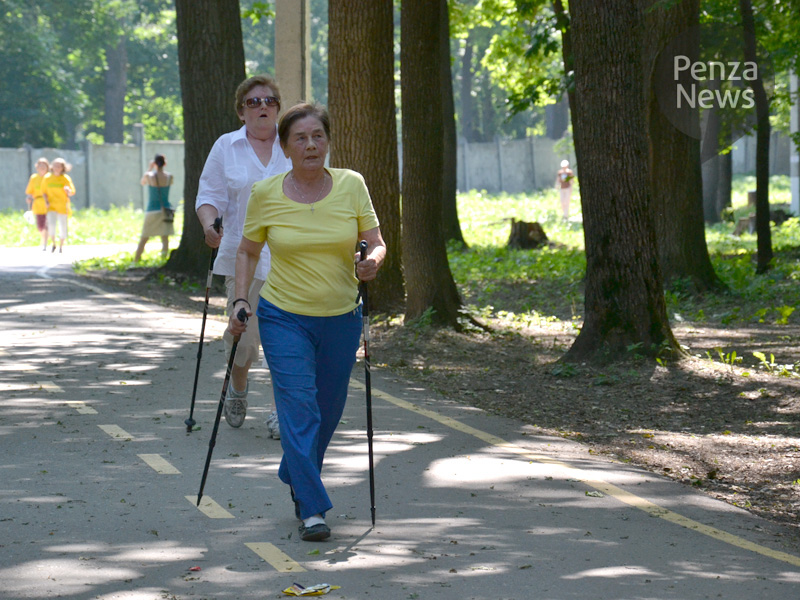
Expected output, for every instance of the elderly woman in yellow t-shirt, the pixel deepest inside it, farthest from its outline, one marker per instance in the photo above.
(58, 188)
(308, 315)
(35, 198)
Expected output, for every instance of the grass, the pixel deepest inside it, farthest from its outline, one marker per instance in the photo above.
(117, 225)
(530, 285)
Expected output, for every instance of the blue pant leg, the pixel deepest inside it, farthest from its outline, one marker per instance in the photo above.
(336, 355)
(289, 343)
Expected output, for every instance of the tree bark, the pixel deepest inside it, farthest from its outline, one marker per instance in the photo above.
(563, 22)
(676, 181)
(364, 127)
(556, 119)
(763, 232)
(211, 63)
(429, 282)
(116, 79)
(452, 227)
(624, 299)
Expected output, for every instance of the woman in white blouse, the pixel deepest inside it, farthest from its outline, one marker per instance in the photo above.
(236, 161)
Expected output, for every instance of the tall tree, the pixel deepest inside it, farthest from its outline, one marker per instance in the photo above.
(676, 181)
(429, 282)
(762, 140)
(624, 299)
(452, 227)
(363, 121)
(211, 59)
(568, 59)
(116, 80)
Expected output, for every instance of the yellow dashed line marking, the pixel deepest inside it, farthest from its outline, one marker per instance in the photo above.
(159, 464)
(210, 508)
(602, 486)
(81, 407)
(49, 386)
(275, 557)
(116, 432)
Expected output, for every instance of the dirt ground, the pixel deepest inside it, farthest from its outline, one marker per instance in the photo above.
(732, 431)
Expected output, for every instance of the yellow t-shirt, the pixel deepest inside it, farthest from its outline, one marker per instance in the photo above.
(53, 189)
(34, 188)
(311, 270)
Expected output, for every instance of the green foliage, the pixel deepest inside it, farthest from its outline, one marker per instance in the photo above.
(492, 75)
(257, 11)
(772, 367)
(52, 49)
(424, 321)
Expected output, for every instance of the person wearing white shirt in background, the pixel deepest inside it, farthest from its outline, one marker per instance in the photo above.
(564, 179)
(236, 161)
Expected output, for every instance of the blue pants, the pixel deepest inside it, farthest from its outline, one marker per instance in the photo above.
(310, 360)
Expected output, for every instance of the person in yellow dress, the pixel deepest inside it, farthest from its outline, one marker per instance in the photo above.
(35, 198)
(58, 188)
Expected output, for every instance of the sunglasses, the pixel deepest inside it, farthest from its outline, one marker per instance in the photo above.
(256, 102)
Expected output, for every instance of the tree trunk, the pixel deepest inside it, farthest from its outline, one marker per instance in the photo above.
(563, 23)
(676, 182)
(362, 108)
(211, 63)
(450, 223)
(116, 79)
(556, 119)
(763, 232)
(624, 298)
(711, 171)
(429, 282)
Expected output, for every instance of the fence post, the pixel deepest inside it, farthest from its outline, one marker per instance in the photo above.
(86, 146)
(29, 152)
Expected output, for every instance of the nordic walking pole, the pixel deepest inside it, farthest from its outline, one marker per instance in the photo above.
(190, 422)
(242, 316)
(368, 384)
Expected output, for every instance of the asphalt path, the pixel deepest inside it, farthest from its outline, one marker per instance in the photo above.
(99, 481)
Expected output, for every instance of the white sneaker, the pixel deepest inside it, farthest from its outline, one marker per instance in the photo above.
(236, 405)
(273, 426)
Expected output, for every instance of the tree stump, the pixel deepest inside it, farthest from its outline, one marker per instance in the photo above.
(526, 235)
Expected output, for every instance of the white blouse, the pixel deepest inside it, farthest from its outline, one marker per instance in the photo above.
(231, 169)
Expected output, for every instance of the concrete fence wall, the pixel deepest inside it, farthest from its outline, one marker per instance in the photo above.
(109, 174)
(104, 176)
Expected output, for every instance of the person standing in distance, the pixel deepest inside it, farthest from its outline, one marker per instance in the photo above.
(236, 161)
(155, 224)
(564, 179)
(35, 197)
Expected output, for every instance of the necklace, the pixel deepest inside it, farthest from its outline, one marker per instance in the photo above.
(303, 196)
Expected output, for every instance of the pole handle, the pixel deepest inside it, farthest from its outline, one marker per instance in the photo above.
(362, 246)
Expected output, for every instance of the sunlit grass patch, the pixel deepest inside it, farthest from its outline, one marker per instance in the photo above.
(117, 225)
